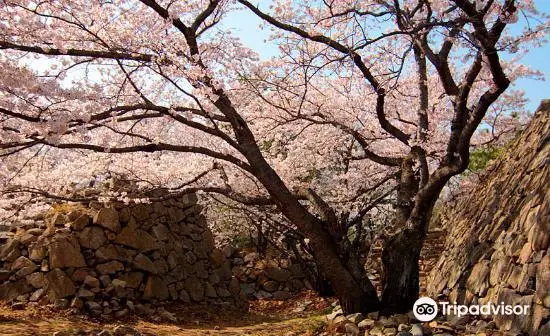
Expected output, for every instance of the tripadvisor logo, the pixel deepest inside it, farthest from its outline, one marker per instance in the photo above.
(425, 309)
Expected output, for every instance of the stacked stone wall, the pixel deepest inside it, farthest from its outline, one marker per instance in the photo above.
(497, 249)
(272, 276)
(88, 256)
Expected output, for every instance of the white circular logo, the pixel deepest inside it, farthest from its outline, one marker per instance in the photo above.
(425, 309)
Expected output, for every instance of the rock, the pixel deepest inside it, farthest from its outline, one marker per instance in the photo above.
(366, 323)
(58, 219)
(132, 279)
(22, 262)
(84, 293)
(355, 318)
(26, 271)
(261, 294)
(119, 287)
(251, 257)
(4, 275)
(112, 252)
(339, 320)
(161, 232)
(122, 313)
(156, 289)
(110, 268)
(22, 298)
(37, 294)
(404, 333)
(403, 327)
(10, 251)
(194, 288)
(238, 261)
(92, 237)
(351, 329)
(77, 303)
(64, 251)
(168, 316)
(277, 274)
(209, 291)
(217, 258)
(92, 306)
(137, 239)
(142, 262)
(125, 331)
(270, 286)
(27, 238)
(105, 280)
(91, 281)
(62, 333)
(37, 252)
(478, 281)
(282, 295)
(387, 322)
(59, 285)
(18, 306)
(104, 333)
(35, 231)
(390, 331)
(79, 222)
(330, 317)
(108, 218)
(11, 290)
(184, 296)
(37, 280)
(228, 251)
(416, 330)
(130, 305)
(80, 274)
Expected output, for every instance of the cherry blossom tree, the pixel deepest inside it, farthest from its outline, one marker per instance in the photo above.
(371, 103)
(429, 72)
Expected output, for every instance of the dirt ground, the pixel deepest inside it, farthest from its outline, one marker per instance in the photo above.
(263, 318)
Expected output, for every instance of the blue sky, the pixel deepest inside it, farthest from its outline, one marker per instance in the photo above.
(247, 26)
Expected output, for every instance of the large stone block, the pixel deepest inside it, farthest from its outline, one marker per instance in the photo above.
(108, 218)
(136, 238)
(142, 262)
(194, 287)
(11, 290)
(92, 237)
(59, 285)
(156, 288)
(64, 251)
(277, 274)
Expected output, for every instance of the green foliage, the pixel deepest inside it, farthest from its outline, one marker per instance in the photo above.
(266, 145)
(480, 158)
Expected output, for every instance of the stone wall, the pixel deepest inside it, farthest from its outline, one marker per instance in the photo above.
(271, 276)
(498, 242)
(88, 256)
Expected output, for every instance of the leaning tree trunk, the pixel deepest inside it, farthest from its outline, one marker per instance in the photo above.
(400, 257)
(356, 293)
(353, 289)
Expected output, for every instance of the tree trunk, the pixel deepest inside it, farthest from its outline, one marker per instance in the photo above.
(352, 287)
(356, 293)
(321, 285)
(400, 258)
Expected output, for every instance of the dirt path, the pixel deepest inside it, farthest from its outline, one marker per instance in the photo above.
(264, 318)
(36, 326)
